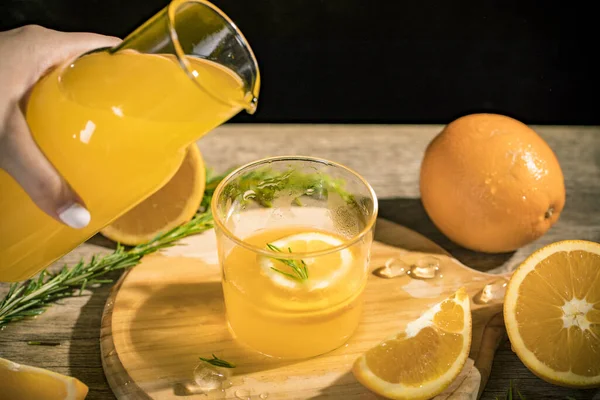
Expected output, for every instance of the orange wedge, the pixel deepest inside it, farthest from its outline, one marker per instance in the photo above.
(552, 313)
(23, 382)
(172, 205)
(424, 359)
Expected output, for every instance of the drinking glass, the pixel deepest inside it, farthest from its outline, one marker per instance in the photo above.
(294, 236)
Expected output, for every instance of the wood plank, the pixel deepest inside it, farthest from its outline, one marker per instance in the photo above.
(150, 352)
(389, 157)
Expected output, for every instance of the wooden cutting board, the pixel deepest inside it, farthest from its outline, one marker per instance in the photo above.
(169, 310)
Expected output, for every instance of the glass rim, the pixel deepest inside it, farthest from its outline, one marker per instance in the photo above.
(268, 253)
(180, 54)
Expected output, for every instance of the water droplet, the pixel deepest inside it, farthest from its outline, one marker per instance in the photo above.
(492, 292)
(208, 377)
(426, 267)
(263, 396)
(242, 394)
(393, 268)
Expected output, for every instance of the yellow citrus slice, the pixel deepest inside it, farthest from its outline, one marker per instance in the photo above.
(172, 205)
(23, 382)
(552, 313)
(424, 359)
(322, 271)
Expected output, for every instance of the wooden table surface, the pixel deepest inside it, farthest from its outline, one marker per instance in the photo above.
(389, 157)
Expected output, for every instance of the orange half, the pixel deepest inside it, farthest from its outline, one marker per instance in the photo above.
(552, 313)
(172, 205)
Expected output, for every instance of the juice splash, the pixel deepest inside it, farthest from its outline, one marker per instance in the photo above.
(290, 318)
(116, 126)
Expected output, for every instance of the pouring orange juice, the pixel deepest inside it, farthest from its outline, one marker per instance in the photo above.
(116, 122)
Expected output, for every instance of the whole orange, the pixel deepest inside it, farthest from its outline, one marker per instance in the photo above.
(491, 184)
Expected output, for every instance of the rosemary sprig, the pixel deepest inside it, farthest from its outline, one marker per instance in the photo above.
(32, 297)
(510, 393)
(265, 185)
(38, 343)
(297, 266)
(216, 361)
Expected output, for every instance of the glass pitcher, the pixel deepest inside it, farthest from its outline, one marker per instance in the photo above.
(116, 123)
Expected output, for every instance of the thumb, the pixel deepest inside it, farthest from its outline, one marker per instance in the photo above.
(21, 158)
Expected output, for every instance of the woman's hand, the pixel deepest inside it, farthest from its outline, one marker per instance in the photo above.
(26, 53)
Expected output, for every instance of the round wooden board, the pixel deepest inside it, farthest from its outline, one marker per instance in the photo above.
(169, 310)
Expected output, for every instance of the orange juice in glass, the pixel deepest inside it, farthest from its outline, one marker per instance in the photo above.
(116, 122)
(294, 237)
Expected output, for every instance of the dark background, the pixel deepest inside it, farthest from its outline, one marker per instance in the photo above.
(388, 61)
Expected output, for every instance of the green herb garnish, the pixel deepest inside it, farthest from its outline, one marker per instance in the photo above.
(265, 185)
(33, 296)
(216, 361)
(298, 266)
(38, 343)
(510, 393)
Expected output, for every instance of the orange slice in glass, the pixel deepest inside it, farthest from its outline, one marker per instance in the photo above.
(322, 271)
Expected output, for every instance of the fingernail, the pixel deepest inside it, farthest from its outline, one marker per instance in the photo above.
(76, 216)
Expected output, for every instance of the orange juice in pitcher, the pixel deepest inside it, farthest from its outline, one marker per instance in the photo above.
(116, 122)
